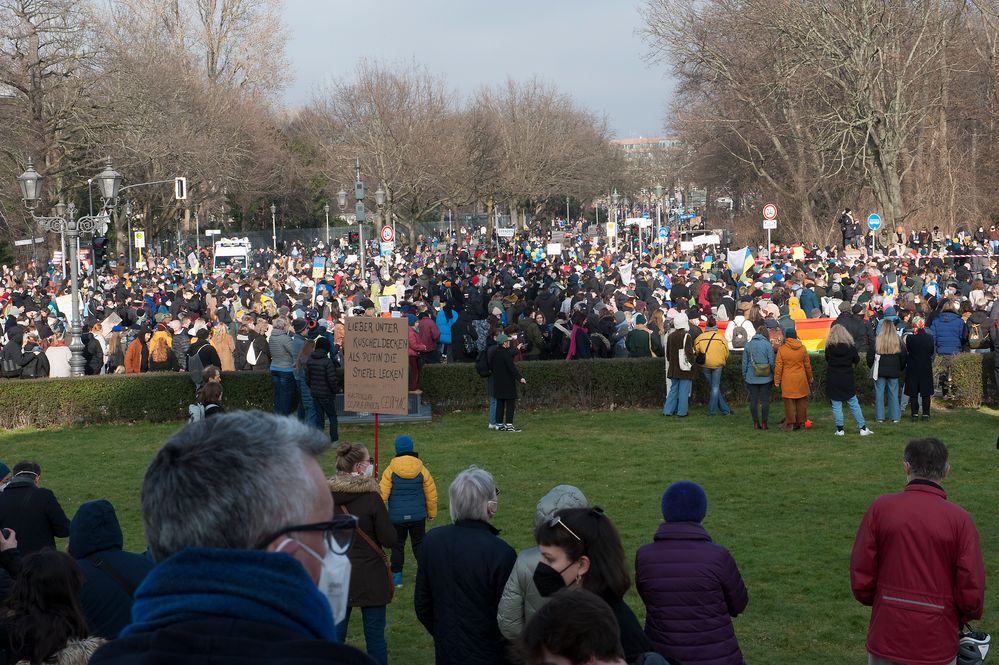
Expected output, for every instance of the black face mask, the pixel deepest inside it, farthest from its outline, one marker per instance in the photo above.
(548, 580)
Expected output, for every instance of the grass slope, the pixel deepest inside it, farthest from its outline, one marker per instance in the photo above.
(786, 504)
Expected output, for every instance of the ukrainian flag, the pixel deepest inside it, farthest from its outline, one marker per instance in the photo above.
(740, 261)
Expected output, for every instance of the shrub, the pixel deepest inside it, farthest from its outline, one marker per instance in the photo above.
(580, 384)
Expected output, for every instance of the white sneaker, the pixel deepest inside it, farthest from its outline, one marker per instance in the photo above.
(865, 432)
(840, 432)
(510, 428)
(493, 426)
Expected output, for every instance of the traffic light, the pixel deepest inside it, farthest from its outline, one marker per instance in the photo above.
(353, 238)
(100, 252)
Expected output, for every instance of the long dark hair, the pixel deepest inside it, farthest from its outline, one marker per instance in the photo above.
(303, 355)
(598, 540)
(43, 610)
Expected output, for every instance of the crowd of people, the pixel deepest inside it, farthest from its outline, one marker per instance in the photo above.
(255, 556)
(599, 298)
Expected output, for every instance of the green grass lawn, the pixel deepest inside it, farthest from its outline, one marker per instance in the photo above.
(786, 504)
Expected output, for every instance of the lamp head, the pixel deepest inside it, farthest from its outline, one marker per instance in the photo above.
(109, 181)
(30, 183)
(341, 197)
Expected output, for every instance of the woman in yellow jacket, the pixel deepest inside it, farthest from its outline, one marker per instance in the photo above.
(410, 493)
(712, 344)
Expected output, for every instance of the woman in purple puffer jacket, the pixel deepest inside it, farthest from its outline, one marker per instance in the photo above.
(691, 587)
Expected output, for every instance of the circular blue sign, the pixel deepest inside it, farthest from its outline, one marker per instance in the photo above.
(663, 233)
(874, 221)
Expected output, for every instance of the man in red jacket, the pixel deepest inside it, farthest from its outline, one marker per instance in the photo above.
(917, 561)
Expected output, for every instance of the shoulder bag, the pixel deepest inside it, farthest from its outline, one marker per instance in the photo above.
(681, 355)
(702, 356)
(759, 369)
(374, 546)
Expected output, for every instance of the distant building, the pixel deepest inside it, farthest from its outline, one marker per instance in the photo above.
(642, 146)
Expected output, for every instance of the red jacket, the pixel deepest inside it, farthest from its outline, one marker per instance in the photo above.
(917, 560)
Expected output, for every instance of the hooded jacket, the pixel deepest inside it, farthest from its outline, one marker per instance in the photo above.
(949, 333)
(110, 575)
(841, 384)
(691, 588)
(320, 375)
(408, 489)
(712, 344)
(760, 351)
(370, 585)
(521, 600)
(12, 355)
(792, 369)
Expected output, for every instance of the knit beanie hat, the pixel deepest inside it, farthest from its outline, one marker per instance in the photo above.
(684, 501)
(403, 444)
(4, 470)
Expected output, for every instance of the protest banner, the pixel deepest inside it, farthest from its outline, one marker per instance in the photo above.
(376, 365)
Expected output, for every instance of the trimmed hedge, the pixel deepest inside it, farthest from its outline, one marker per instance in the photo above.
(156, 397)
(581, 384)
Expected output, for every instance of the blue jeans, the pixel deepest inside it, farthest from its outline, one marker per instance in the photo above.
(306, 407)
(492, 410)
(676, 400)
(894, 409)
(284, 392)
(854, 404)
(374, 632)
(716, 401)
(326, 408)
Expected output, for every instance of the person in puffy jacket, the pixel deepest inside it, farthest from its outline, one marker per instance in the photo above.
(949, 333)
(691, 587)
(410, 493)
(111, 576)
(793, 377)
(521, 598)
(320, 377)
(446, 318)
(712, 344)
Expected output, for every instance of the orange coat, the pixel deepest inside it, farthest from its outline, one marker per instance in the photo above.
(225, 347)
(793, 370)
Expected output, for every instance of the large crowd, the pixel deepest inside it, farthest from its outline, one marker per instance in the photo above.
(599, 297)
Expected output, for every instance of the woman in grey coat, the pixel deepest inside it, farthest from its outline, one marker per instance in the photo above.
(521, 598)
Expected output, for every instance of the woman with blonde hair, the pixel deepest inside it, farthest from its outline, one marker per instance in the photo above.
(221, 341)
(887, 360)
(116, 352)
(841, 386)
(161, 356)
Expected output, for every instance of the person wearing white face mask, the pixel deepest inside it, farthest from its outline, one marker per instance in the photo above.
(356, 492)
(251, 559)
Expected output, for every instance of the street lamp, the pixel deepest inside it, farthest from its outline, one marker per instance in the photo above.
(359, 212)
(615, 197)
(274, 227)
(659, 212)
(380, 201)
(67, 223)
(326, 209)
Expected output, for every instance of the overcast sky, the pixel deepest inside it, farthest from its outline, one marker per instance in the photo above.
(588, 48)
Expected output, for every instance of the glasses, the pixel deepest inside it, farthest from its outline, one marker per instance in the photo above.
(338, 533)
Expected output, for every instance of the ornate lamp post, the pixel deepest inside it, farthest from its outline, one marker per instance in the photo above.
(67, 223)
(326, 209)
(380, 202)
(274, 227)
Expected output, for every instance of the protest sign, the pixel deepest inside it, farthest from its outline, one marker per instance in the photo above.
(376, 365)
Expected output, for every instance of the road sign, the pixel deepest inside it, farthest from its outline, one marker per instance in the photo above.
(611, 229)
(770, 211)
(386, 248)
(770, 224)
(180, 189)
(647, 215)
(388, 235)
(663, 234)
(687, 215)
(213, 232)
(874, 221)
(140, 239)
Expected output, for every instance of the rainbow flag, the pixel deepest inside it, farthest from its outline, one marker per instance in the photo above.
(811, 332)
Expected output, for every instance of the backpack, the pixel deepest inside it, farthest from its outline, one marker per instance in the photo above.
(480, 328)
(776, 336)
(195, 413)
(195, 366)
(739, 337)
(482, 364)
(978, 336)
(32, 369)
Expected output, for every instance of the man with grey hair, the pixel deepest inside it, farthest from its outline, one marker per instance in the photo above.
(917, 560)
(240, 521)
(463, 569)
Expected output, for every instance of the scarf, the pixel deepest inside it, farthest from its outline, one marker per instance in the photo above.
(253, 585)
(572, 343)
